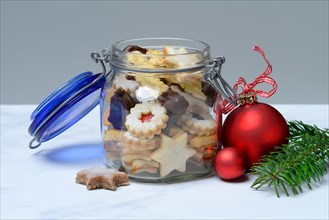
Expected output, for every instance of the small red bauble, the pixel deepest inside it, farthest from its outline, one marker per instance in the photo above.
(255, 129)
(229, 163)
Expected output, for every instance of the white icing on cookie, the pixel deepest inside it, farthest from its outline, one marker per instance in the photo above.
(145, 93)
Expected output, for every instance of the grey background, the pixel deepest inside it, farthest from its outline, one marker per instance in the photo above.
(45, 43)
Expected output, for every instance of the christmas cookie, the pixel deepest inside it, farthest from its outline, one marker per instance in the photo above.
(133, 48)
(129, 85)
(210, 93)
(112, 143)
(139, 166)
(178, 61)
(172, 154)
(121, 103)
(199, 141)
(190, 83)
(146, 120)
(129, 156)
(209, 152)
(146, 58)
(97, 178)
(173, 102)
(152, 82)
(194, 124)
(113, 135)
(135, 143)
(157, 60)
(195, 104)
(137, 59)
(206, 151)
(194, 88)
(105, 118)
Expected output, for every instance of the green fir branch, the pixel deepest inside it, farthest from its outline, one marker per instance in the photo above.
(305, 159)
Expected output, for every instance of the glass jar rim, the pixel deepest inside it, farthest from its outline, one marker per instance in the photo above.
(133, 41)
(194, 48)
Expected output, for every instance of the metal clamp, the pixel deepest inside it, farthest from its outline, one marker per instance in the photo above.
(104, 58)
(34, 146)
(214, 77)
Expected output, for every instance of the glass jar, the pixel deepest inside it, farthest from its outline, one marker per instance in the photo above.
(161, 108)
(161, 119)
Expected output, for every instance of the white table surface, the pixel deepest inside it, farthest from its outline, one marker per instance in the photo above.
(40, 183)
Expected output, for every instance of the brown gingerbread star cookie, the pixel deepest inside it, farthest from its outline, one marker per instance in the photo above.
(102, 178)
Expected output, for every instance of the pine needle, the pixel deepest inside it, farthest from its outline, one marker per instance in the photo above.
(305, 159)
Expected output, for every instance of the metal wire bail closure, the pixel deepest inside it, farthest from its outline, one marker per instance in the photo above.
(214, 77)
(33, 146)
(104, 58)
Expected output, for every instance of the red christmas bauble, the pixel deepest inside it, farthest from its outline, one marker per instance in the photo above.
(255, 129)
(229, 163)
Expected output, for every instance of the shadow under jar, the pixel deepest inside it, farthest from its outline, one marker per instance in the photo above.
(161, 120)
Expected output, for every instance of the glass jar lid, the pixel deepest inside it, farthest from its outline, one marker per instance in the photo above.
(65, 106)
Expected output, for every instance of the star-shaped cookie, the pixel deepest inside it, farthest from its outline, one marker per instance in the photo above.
(172, 154)
(98, 178)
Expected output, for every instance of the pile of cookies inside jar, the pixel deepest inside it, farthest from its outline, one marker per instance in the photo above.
(160, 125)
